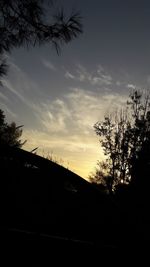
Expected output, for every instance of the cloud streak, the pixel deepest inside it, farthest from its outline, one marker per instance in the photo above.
(68, 75)
(131, 86)
(9, 86)
(48, 65)
(64, 123)
(98, 77)
(67, 127)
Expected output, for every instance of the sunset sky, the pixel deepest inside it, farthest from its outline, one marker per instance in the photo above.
(59, 98)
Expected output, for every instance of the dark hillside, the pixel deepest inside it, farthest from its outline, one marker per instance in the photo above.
(45, 203)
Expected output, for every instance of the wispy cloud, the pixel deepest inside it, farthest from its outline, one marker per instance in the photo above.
(69, 75)
(102, 80)
(48, 64)
(131, 86)
(20, 86)
(64, 123)
(53, 115)
(7, 84)
(97, 77)
(76, 111)
(67, 126)
(21, 95)
(8, 111)
(101, 77)
(83, 74)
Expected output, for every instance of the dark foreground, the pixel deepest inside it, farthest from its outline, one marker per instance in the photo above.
(51, 217)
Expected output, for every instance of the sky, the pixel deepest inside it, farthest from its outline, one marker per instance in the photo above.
(58, 99)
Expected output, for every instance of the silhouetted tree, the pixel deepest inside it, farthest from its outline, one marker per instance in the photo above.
(27, 22)
(101, 177)
(10, 133)
(124, 138)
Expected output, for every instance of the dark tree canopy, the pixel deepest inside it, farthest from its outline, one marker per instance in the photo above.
(125, 139)
(9, 133)
(26, 22)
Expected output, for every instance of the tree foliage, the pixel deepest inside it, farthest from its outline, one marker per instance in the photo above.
(101, 177)
(27, 22)
(10, 133)
(124, 136)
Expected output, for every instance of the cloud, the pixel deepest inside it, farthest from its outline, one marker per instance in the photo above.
(67, 127)
(48, 64)
(76, 111)
(8, 111)
(64, 123)
(102, 80)
(83, 74)
(131, 86)
(53, 115)
(7, 84)
(19, 86)
(23, 95)
(69, 75)
(97, 77)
